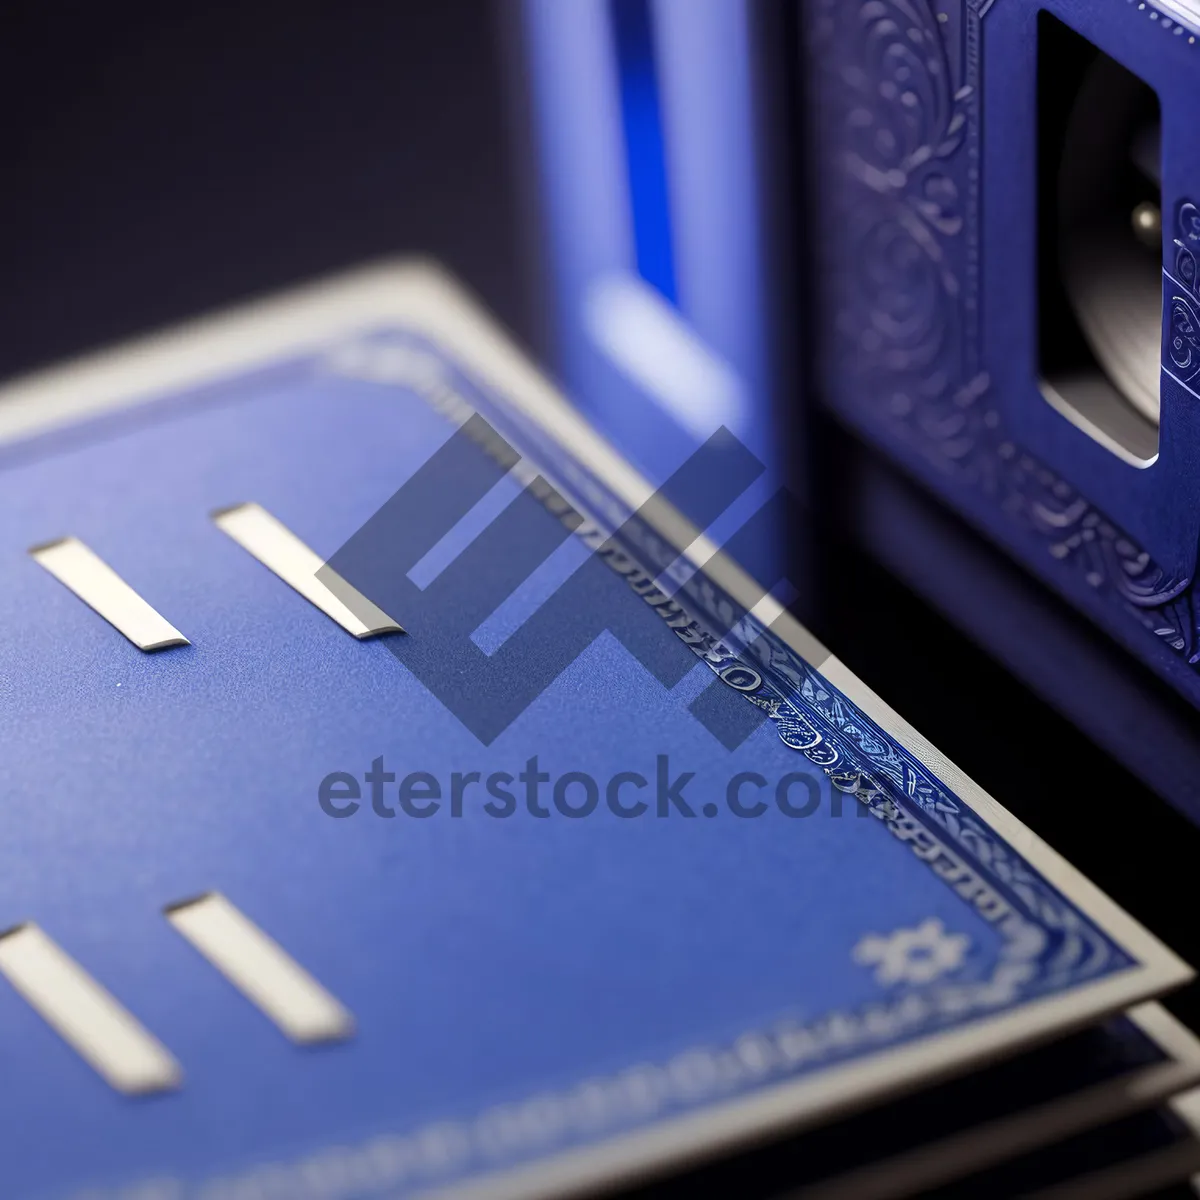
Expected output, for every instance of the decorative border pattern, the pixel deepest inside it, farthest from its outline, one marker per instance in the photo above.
(905, 109)
(1181, 18)
(1049, 943)
(1183, 341)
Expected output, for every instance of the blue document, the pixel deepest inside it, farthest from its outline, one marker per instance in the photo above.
(403, 798)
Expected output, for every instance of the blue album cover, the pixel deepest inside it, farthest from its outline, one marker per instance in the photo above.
(509, 850)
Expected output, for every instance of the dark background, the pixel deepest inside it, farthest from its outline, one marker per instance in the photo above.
(165, 160)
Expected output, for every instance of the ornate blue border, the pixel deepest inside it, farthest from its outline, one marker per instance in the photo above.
(1047, 945)
(1050, 944)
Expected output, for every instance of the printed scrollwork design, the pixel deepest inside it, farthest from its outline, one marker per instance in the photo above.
(904, 121)
(1076, 532)
(1184, 342)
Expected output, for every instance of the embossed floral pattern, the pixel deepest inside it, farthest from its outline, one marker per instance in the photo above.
(907, 135)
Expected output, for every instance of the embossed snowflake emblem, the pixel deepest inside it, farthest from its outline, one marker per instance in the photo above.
(913, 956)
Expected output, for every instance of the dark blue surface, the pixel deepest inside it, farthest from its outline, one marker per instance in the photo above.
(486, 961)
(925, 168)
(1115, 701)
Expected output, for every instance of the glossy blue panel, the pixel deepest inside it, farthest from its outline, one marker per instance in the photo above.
(486, 961)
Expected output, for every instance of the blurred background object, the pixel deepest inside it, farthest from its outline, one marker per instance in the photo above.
(997, 320)
(663, 211)
(645, 113)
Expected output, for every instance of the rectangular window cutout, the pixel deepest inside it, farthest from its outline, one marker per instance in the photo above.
(281, 551)
(1100, 242)
(261, 970)
(83, 1013)
(100, 587)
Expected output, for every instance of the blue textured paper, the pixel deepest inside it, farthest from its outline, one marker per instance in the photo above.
(494, 967)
